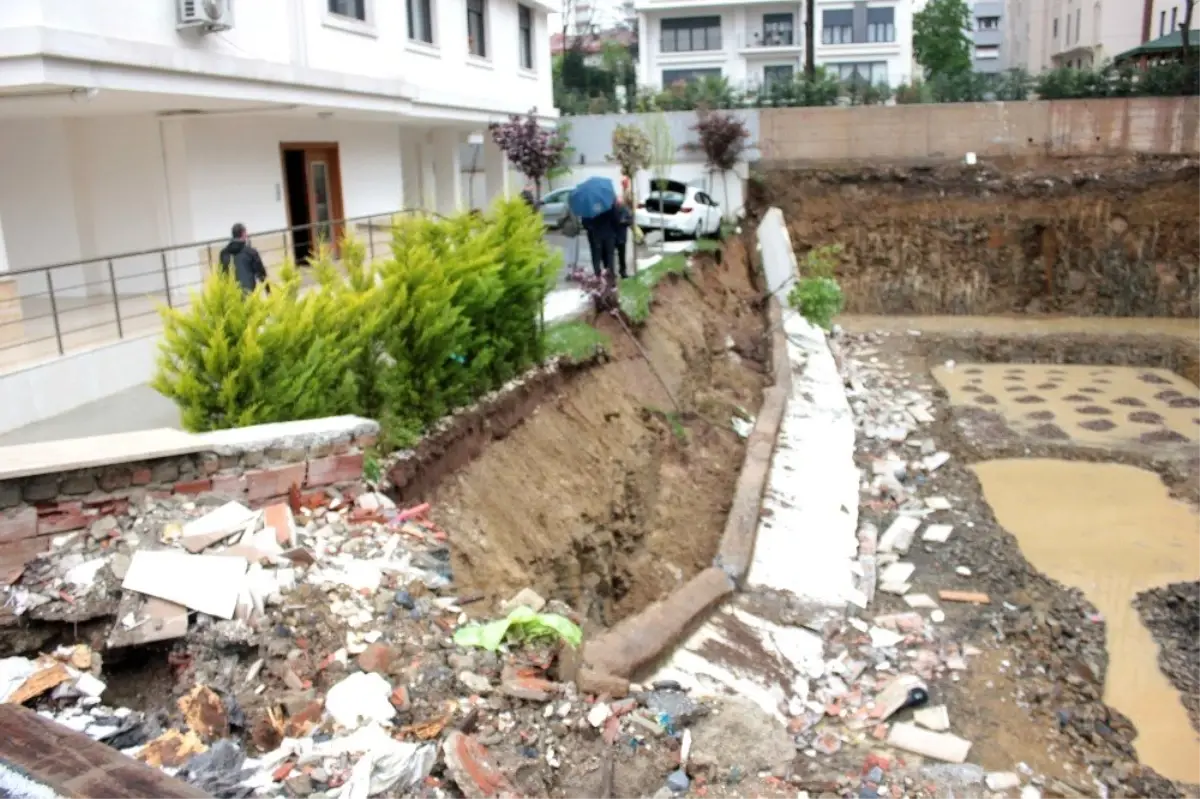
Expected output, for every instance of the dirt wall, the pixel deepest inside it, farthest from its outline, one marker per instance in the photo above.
(1088, 237)
(606, 496)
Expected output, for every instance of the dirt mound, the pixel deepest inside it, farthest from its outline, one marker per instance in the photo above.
(1087, 239)
(1172, 614)
(608, 496)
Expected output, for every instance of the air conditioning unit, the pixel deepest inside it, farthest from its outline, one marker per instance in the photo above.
(205, 16)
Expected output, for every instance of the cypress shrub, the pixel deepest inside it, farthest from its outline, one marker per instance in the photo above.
(451, 314)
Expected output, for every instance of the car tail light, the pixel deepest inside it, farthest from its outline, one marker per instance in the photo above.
(687, 209)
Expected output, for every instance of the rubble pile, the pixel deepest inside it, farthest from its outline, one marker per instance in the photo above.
(319, 648)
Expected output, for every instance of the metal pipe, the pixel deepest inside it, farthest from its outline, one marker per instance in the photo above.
(112, 282)
(54, 311)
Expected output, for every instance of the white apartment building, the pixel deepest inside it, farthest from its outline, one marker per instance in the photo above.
(137, 124)
(1165, 16)
(1044, 34)
(753, 43)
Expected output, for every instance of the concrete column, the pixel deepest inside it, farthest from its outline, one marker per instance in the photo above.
(91, 279)
(186, 268)
(411, 169)
(428, 175)
(448, 171)
(495, 167)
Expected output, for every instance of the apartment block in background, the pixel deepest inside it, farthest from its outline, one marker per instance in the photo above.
(987, 34)
(1044, 34)
(752, 44)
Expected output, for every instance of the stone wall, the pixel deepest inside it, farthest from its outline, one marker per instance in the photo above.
(255, 465)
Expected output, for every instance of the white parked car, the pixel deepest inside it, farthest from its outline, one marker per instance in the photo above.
(677, 208)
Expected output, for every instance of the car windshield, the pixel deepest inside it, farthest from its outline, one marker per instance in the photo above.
(666, 196)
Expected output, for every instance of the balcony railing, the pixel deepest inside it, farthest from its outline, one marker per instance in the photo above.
(48, 311)
(767, 40)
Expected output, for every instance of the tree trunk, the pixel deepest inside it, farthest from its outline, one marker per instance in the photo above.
(810, 56)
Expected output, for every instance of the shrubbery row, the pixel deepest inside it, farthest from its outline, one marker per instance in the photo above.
(452, 314)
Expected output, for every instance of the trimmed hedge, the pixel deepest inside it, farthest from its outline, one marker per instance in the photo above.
(452, 314)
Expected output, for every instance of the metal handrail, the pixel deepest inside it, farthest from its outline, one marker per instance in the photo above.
(112, 279)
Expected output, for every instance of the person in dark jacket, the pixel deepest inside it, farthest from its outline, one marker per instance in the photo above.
(602, 240)
(247, 263)
(624, 221)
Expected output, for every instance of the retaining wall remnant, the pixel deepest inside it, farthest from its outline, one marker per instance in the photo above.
(50, 489)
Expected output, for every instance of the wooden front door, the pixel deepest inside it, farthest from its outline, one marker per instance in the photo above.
(319, 199)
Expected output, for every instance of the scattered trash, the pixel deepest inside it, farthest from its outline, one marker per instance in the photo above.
(521, 625)
(363, 697)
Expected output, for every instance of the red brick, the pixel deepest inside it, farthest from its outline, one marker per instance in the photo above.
(14, 555)
(472, 767)
(69, 517)
(231, 485)
(377, 658)
(18, 524)
(140, 477)
(265, 483)
(52, 508)
(279, 518)
(335, 469)
(108, 506)
(193, 487)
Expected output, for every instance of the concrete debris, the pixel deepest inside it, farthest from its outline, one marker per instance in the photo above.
(934, 717)
(938, 745)
(899, 535)
(1002, 780)
(937, 533)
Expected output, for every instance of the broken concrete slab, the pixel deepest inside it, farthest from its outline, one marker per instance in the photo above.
(1002, 780)
(201, 582)
(920, 601)
(938, 745)
(934, 717)
(897, 573)
(899, 535)
(215, 526)
(145, 619)
(937, 533)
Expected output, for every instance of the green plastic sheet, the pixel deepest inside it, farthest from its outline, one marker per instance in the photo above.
(522, 624)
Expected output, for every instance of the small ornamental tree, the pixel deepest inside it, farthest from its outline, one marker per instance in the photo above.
(631, 151)
(532, 149)
(723, 140)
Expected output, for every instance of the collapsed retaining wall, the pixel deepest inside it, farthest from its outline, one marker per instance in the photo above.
(637, 641)
(60, 487)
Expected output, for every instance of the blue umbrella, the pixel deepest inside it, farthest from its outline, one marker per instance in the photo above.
(592, 197)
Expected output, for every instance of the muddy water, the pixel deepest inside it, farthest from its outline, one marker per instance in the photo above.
(1113, 406)
(1018, 325)
(1111, 531)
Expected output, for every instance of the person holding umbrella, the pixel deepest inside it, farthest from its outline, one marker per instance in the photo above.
(594, 202)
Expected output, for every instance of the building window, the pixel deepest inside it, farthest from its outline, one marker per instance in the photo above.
(837, 26)
(689, 34)
(779, 75)
(1056, 29)
(1078, 27)
(672, 76)
(477, 28)
(778, 30)
(1174, 20)
(354, 9)
(420, 20)
(987, 23)
(881, 24)
(525, 36)
(987, 52)
(872, 72)
(1068, 39)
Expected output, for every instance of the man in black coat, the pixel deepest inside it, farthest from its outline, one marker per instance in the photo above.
(247, 263)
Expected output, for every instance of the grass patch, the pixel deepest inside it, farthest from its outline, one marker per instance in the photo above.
(637, 291)
(708, 245)
(576, 341)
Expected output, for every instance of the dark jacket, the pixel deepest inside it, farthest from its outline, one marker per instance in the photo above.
(247, 264)
(624, 216)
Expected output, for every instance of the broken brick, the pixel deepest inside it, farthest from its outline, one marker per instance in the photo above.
(335, 469)
(140, 477)
(264, 483)
(472, 768)
(61, 519)
(400, 698)
(19, 524)
(193, 487)
(377, 658)
(279, 518)
(534, 689)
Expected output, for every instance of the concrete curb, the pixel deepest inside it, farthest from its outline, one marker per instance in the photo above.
(640, 639)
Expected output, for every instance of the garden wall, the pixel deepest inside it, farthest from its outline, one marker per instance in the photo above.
(1113, 126)
(801, 136)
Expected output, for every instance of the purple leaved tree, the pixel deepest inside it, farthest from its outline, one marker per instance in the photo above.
(531, 148)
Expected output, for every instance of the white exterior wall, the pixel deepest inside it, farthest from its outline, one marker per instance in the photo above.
(1161, 16)
(742, 64)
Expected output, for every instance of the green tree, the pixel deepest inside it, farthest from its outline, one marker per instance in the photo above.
(940, 38)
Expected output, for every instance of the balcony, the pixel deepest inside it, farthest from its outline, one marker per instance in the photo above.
(784, 41)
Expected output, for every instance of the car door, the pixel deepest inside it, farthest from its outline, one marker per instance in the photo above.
(711, 215)
(554, 206)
